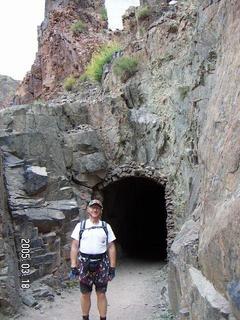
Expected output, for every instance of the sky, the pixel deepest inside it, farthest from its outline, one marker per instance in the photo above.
(19, 20)
(18, 35)
(116, 9)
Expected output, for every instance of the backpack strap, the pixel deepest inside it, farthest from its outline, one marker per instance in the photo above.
(104, 226)
(82, 228)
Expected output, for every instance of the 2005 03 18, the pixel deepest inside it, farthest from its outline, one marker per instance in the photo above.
(25, 258)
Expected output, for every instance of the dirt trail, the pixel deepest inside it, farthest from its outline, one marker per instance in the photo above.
(139, 291)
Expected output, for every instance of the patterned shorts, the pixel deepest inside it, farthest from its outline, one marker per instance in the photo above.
(94, 272)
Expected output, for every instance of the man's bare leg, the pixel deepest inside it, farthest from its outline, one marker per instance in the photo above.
(102, 304)
(85, 303)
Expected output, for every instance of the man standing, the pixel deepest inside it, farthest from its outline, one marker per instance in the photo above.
(94, 251)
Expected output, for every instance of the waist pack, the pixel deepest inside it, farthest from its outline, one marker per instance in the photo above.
(91, 263)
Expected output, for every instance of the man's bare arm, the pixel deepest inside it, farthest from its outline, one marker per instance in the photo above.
(112, 253)
(74, 253)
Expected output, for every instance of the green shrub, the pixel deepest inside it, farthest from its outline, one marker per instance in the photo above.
(38, 101)
(143, 12)
(83, 77)
(78, 27)
(94, 69)
(69, 83)
(125, 67)
(173, 28)
(103, 14)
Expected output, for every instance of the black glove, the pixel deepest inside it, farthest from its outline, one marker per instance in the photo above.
(111, 273)
(74, 273)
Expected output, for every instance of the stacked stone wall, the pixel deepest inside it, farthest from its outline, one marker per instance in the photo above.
(137, 170)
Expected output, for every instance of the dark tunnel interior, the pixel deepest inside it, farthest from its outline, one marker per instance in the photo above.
(135, 208)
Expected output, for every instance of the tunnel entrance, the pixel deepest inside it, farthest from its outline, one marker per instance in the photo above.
(135, 208)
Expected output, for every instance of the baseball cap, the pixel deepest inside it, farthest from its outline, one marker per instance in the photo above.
(95, 201)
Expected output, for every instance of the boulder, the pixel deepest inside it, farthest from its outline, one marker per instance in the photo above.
(90, 163)
(205, 302)
(85, 141)
(88, 180)
(49, 214)
(44, 218)
(29, 300)
(68, 207)
(89, 169)
(36, 179)
(183, 253)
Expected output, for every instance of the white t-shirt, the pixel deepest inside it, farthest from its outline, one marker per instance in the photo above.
(93, 240)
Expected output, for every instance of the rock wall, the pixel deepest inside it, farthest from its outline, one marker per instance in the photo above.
(9, 279)
(43, 205)
(185, 54)
(219, 244)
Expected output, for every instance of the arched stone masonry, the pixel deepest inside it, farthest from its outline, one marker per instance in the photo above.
(133, 169)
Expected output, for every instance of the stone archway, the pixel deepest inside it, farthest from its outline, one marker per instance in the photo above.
(138, 205)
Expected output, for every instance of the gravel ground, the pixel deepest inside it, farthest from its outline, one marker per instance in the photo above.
(139, 291)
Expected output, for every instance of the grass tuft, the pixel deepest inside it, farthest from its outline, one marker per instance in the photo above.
(103, 56)
(78, 27)
(143, 12)
(125, 67)
(69, 83)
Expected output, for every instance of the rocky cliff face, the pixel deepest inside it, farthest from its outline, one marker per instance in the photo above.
(174, 122)
(63, 50)
(9, 279)
(8, 87)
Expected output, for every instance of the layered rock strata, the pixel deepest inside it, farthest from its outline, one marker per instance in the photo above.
(9, 277)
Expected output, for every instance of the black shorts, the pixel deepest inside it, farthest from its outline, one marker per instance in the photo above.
(86, 288)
